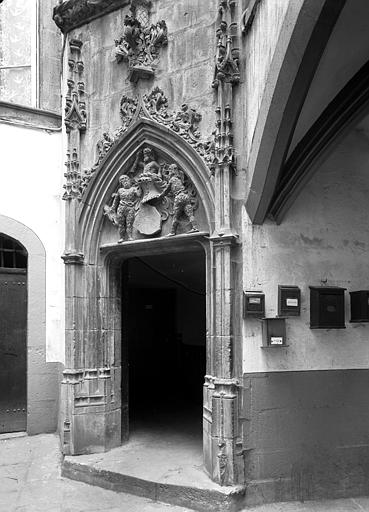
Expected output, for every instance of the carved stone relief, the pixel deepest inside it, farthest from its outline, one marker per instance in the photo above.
(227, 56)
(141, 42)
(150, 193)
(154, 106)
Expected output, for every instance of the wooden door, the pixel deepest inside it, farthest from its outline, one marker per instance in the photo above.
(13, 350)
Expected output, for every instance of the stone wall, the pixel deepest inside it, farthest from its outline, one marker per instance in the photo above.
(307, 435)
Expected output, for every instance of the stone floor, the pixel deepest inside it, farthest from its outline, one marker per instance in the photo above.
(30, 481)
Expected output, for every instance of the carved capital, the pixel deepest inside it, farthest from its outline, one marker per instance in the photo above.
(75, 258)
(225, 240)
(225, 388)
(72, 376)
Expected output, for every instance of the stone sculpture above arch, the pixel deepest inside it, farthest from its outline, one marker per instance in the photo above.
(193, 210)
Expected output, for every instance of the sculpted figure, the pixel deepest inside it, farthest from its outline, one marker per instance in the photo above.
(150, 179)
(122, 211)
(182, 199)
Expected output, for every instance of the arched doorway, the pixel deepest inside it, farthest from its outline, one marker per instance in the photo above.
(13, 335)
(95, 404)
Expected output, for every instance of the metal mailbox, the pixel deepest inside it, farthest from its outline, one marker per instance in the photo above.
(274, 332)
(254, 304)
(289, 298)
(359, 301)
(327, 307)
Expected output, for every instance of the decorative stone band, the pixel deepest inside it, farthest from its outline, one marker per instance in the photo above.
(92, 386)
(76, 376)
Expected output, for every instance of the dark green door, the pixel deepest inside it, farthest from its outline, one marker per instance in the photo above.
(13, 350)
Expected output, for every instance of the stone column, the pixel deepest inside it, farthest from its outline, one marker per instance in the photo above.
(90, 407)
(223, 459)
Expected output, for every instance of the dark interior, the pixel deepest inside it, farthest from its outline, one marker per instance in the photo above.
(164, 337)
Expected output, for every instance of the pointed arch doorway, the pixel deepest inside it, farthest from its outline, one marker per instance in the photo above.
(95, 404)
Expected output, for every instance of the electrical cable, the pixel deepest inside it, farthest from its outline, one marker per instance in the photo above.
(179, 283)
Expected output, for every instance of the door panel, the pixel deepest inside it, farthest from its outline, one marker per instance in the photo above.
(13, 351)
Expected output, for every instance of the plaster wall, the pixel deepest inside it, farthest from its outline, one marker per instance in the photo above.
(323, 239)
(185, 69)
(31, 188)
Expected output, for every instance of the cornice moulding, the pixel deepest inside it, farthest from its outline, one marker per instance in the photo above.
(72, 14)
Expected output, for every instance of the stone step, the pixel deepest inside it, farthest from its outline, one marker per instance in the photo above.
(212, 499)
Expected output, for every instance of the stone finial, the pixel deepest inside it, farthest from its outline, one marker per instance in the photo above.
(140, 45)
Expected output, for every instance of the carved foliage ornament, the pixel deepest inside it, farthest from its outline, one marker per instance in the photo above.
(140, 43)
(149, 194)
(227, 56)
(154, 106)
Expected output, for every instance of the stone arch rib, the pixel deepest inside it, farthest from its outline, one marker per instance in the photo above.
(99, 190)
(295, 61)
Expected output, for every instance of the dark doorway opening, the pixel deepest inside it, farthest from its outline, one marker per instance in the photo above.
(13, 335)
(164, 340)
